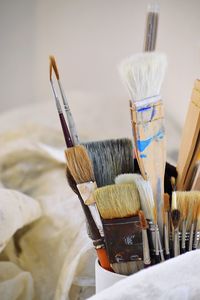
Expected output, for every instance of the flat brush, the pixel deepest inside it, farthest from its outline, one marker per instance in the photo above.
(80, 166)
(71, 123)
(175, 217)
(118, 206)
(144, 226)
(147, 205)
(110, 158)
(66, 133)
(143, 75)
(94, 233)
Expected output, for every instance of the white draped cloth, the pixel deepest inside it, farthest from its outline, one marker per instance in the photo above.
(45, 253)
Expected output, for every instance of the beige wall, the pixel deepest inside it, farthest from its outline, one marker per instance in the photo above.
(89, 38)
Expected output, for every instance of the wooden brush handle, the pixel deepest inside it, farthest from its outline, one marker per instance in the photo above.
(149, 140)
(103, 259)
(189, 137)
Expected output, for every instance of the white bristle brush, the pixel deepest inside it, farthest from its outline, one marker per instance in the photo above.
(143, 75)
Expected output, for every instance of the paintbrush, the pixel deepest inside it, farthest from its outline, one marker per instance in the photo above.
(94, 234)
(166, 210)
(147, 205)
(71, 123)
(144, 226)
(143, 75)
(197, 230)
(192, 228)
(175, 217)
(151, 28)
(189, 140)
(67, 137)
(118, 206)
(110, 158)
(157, 255)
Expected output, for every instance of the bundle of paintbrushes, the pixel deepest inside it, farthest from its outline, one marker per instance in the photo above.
(129, 218)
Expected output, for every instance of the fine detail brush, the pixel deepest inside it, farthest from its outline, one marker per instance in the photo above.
(166, 210)
(197, 230)
(175, 217)
(193, 224)
(93, 230)
(144, 226)
(157, 255)
(94, 233)
(71, 123)
(143, 75)
(118, 206)
(66, 133)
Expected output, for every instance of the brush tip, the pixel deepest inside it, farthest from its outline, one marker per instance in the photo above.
(54, 66)
(175, 215)
(166, 202)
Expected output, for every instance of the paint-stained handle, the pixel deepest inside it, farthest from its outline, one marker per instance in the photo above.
(103, 259)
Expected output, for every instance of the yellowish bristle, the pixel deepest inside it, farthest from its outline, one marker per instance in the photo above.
(154, 215)
(143, 221)
(117, 201)
(54, 66)
(166, 202)
(79, 164)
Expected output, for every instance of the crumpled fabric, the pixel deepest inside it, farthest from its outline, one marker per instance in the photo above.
(45, 253)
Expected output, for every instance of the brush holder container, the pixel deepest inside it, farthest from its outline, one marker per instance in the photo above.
(104, 279)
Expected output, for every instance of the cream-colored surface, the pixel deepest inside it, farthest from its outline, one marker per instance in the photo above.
(52, 257)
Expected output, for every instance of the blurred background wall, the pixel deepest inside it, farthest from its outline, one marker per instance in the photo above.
(89, 38)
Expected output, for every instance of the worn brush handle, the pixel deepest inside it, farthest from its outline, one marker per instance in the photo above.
(103, 259)
(149, 140)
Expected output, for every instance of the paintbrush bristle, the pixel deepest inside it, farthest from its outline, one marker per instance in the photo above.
(117, 201)
(155, 215)
(110, 158)
(143, 74)
(54, 66)
(166, 202)
(175, 216)
(143, 221)
(144, 189)
(79, 164)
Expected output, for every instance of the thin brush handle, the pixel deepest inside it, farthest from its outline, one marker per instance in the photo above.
(183, 247)
(196, 239)
(146, 253)
(166, 242)
(160, 247)
(70, 118)
(63, 123)
(191, 236)
(157, 255)
(176, 242)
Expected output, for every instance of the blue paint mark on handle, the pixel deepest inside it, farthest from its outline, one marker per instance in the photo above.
(142, 145)
(143, 155)
(144, 108)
